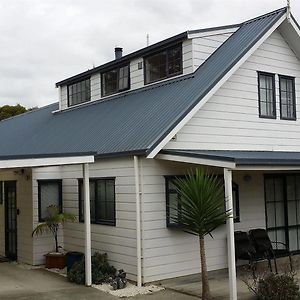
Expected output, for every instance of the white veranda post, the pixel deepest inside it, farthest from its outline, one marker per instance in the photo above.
(230, 235)
(87, 225)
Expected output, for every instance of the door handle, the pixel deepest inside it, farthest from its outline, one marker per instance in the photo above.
(18, 211)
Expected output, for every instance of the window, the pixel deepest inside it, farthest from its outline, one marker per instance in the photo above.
(287, 98)
(102, 198)
(116, 80)
(164, 64)
(79, 92)
(173, 208)
(49, 193)
(266, 95)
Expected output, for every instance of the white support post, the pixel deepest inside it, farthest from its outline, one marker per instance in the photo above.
(230, 235)
(87, 225)
(138, 221)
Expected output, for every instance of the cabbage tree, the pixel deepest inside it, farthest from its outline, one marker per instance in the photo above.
(200, 210)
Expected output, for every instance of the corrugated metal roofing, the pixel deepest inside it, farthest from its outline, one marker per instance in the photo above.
(134, 122)
(242, 158)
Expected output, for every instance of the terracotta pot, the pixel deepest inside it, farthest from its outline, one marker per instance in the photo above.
(55, 260)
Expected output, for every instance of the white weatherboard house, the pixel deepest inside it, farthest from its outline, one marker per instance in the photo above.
(225, 98)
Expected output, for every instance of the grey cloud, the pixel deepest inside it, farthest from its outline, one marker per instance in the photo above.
(42, 42)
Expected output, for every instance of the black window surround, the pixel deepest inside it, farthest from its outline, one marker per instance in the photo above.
(59, 201)
(168, 65)
(287, 94)
(172, 191)
(115, 80)
(96, 218)
(79, 92)
(266, 95)
(1, 192)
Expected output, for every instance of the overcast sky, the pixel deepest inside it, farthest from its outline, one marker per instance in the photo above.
(43, 42)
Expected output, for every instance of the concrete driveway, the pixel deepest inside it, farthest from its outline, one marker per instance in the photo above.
(17, 282)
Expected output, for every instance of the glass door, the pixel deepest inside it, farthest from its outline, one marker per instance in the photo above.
(10, 202)
(282, 195)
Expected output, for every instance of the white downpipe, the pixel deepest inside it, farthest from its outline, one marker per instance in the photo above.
(230, 235)
(138, 221)
(87, 225)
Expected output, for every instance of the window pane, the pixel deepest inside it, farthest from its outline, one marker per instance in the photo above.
(79, 92)
(293, 239)
(271, 215)
(266, 95)
(164, 64)
(49, 195)
(287, 98)
(269, 186)
(115, 81)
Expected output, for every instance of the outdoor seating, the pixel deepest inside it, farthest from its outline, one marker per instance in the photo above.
(244, 249)
(264, 248)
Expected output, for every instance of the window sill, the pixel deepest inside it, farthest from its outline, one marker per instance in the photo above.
(267, 117)
(102, 223)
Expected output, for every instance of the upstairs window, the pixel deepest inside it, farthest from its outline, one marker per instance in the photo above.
(287, 98)
(164, 64)
(266, 95)
(79, 92)
(116, 80)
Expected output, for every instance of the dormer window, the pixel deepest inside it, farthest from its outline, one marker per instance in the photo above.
(116, 80)
(79, 92)
(163, 64)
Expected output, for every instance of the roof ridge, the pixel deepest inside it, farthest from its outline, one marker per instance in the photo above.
(264, 15)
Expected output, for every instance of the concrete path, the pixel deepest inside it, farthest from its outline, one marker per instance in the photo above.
(39, 284)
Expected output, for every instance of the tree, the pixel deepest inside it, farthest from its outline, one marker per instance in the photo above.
(52, 223)
(200, 211)
(8, 111)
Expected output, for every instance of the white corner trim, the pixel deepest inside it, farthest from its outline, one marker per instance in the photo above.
(155, 151)
(295, 27)
(197, 161)
(45, 162)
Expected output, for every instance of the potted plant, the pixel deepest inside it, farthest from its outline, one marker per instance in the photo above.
(52, 223)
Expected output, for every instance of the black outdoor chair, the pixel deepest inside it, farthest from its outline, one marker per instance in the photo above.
(264, 248)
(244, 249)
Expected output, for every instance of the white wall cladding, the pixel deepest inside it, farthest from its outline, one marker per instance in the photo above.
(136, 74)
(230, 119)
(204, 46)
(95, 87)
(170, 253)
(119, 241)
(24, 219)
(63, 97)
(44, 243)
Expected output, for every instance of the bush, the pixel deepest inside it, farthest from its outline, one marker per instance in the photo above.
(101, 270)
(275, 286)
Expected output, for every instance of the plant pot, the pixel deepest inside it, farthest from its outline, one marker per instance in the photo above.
(55, 260)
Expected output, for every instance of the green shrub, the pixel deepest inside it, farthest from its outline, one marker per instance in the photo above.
(275, 286)
(101, 270)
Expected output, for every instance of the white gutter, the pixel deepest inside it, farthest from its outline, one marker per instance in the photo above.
(138, 221)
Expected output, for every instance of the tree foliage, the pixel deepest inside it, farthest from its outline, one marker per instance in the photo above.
(52, 223)
(8, 111)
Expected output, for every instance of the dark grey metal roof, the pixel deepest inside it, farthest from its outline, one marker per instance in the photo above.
(243, 158)
(131, 123)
